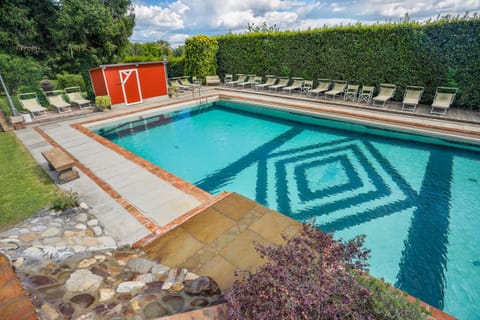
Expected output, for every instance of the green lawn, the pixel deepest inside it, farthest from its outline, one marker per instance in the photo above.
(24, 186)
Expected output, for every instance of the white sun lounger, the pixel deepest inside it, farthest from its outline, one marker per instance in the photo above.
(29, 102)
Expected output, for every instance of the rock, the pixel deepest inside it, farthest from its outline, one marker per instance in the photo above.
(49, 313)
(79, 248)
(86, 263)
(174, 303)
(106, 242)
(97, 230)
(106, 294)
(40, 281)
(52, 240)
(69, 212)
(132, 287)
(68, 234)
(12, 239)
(146, 278)
(177, 286)
(81, 217)
(181, 275)
(39, 228)
(100, 257)
(99, 272)
(154, 287)
(83, 300)
(124, 297)
(199, 302)
(125, 276)
(67, 310)
(190, 276)
(88, 316)
(27, 237)
(103, 309)
(89, 242)
(93, 222)
(140, 265)
(53, 292)
(203, 286)
(33, 251)
(8, 246)
(83, 280)
(83, 206)
(167, 284)
(50, 232)
(154, 310)
(160, 270)
(18, 262)
(80, 226)
(135, 304)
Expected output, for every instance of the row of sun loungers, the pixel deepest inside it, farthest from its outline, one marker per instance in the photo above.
(30, 102)
(443, 99)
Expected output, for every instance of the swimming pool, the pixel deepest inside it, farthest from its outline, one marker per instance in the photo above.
(415, 197)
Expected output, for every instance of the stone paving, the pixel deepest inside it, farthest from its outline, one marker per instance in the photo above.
(72, 269)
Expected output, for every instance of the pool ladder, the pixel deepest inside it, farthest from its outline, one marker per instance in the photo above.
(201, 101)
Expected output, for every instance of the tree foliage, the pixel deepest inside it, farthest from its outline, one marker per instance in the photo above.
(200, 56)
(62, 36)
(437, 53)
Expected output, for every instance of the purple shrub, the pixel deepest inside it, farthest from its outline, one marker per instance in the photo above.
(305, 278)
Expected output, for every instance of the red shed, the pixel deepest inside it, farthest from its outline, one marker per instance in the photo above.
(130, 83)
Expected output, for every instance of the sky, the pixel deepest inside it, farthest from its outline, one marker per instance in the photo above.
(175, 20)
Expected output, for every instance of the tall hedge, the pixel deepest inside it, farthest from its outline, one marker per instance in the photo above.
(445, 52)
(200, 56)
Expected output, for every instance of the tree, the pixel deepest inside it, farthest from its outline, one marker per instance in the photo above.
(91, 32)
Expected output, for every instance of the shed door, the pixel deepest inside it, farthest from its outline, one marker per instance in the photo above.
(130, 86)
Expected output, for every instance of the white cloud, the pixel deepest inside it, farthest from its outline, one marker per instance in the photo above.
(414, 7)
(174, 21)
(171, 17)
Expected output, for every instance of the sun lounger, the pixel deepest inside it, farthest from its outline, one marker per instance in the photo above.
(282, 82)
(271, 80)
(186, 82)
(180, 87)
(351, 93)
(227, 78)
(322, 87)
(297, 84)
(249, 82)
(214, 80)
(74, 94)
(29, 102)
(366, 94)
(55, 99)
(443, 100)
(411, 98)
(338, 88)
(241, 78)
(307, 86)
(385, 93)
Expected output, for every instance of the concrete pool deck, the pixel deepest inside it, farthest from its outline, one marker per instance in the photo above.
(133, 198)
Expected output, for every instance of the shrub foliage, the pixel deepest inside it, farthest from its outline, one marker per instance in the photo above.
(312, 276)
(200, 56)
(444, 52)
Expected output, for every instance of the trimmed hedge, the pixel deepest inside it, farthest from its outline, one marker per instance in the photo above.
(445, 52)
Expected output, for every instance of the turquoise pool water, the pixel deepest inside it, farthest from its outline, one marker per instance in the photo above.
(416, 198)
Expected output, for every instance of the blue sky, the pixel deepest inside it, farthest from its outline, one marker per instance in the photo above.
(175, 20)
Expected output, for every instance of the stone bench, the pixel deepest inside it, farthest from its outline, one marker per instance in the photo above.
(215, 80)
(62, 163)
